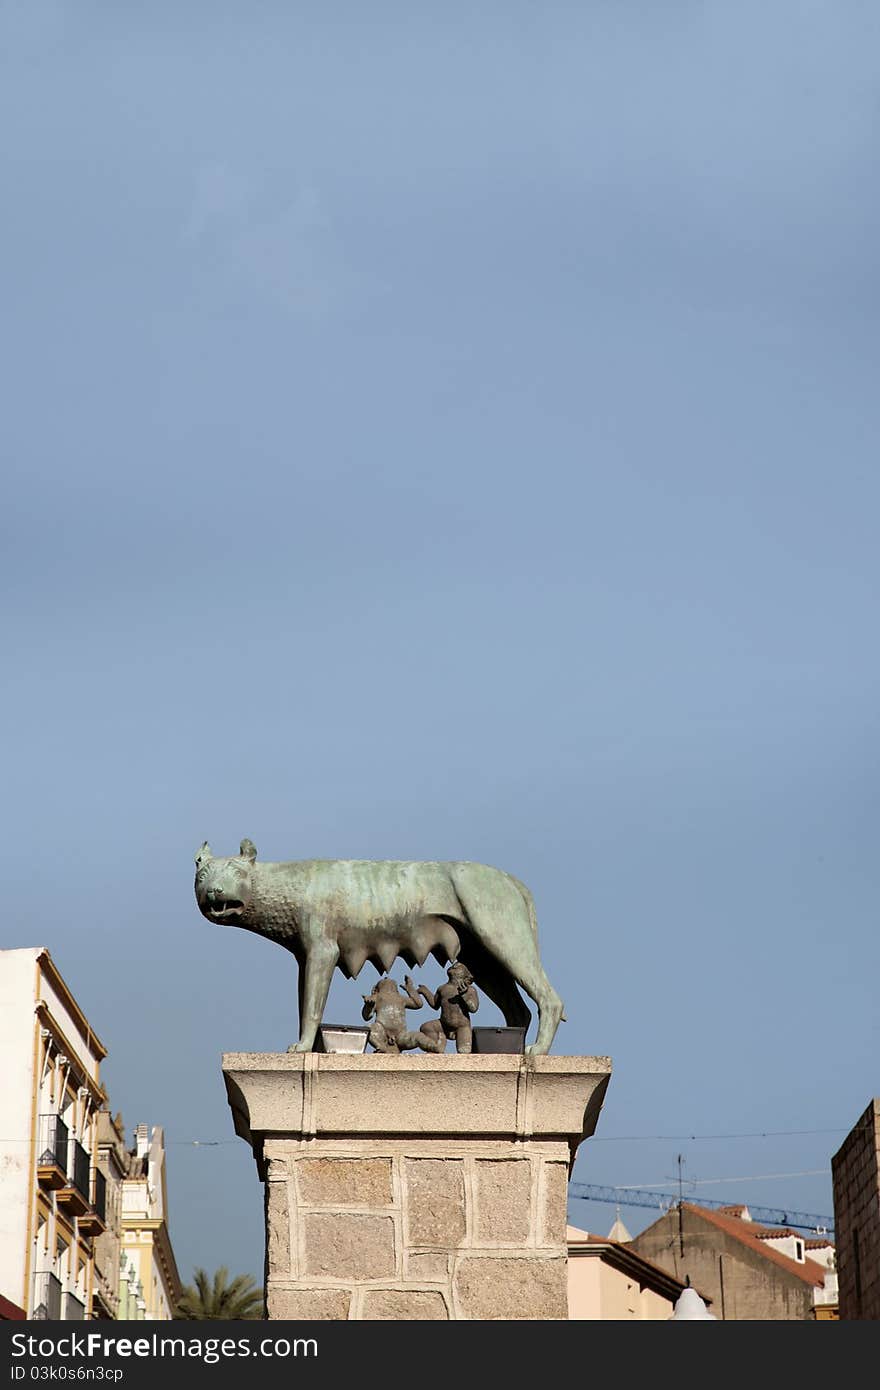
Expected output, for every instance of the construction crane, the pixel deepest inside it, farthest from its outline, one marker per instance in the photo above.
(642, 1197)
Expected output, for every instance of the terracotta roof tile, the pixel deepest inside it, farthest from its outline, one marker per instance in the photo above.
(750, 1235)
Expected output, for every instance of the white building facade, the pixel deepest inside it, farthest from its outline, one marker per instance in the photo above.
(148, 1264)
(51, 1189)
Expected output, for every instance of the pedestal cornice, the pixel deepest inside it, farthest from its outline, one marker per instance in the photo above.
(326, 1095)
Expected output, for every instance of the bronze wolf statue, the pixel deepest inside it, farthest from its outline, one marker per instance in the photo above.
(339, 913)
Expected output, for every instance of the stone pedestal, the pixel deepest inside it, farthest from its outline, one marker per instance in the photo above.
(418, 1186)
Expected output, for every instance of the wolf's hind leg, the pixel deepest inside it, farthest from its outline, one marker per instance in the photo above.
(320, 960)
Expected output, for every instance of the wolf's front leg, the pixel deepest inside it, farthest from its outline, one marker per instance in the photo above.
(320, 961)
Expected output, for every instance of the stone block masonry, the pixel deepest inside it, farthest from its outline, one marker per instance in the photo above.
(429, 1188)
(462, 1236)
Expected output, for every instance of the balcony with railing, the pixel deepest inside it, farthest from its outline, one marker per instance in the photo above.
(99, 1199)
(52, 1151)
(64, 1166)
(95, 1219)
(74, 1196)
(80, 1169)
(47, 1297)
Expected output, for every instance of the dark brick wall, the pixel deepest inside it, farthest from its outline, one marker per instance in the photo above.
(855, 1172)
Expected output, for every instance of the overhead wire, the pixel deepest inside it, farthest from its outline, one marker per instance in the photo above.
(592, 1139)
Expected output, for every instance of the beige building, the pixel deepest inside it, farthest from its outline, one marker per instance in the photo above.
(750, 1271)
(609, 1282)
(148, 1267)
(53, 1193)
(113, 1163)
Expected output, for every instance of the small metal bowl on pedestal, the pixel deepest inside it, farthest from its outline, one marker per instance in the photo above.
(342, 1037)
(499, 1040)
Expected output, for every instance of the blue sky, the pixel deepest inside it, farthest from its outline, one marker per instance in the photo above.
(450, 433)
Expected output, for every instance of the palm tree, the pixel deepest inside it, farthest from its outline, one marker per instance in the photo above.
(238, 1298)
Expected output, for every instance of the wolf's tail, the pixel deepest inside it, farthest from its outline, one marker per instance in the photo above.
(533, 918)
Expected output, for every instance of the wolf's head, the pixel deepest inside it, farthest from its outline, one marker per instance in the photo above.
(224, 890)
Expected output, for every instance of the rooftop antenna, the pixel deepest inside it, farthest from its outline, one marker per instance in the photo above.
(680, 1162)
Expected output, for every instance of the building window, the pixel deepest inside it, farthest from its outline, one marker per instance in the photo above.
(799, 1250)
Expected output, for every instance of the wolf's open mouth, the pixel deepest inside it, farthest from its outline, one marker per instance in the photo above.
(230, 907)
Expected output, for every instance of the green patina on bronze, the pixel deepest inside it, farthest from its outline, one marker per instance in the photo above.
(341, 913)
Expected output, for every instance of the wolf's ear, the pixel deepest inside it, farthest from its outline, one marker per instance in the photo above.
(204, 853)
(248, 850)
